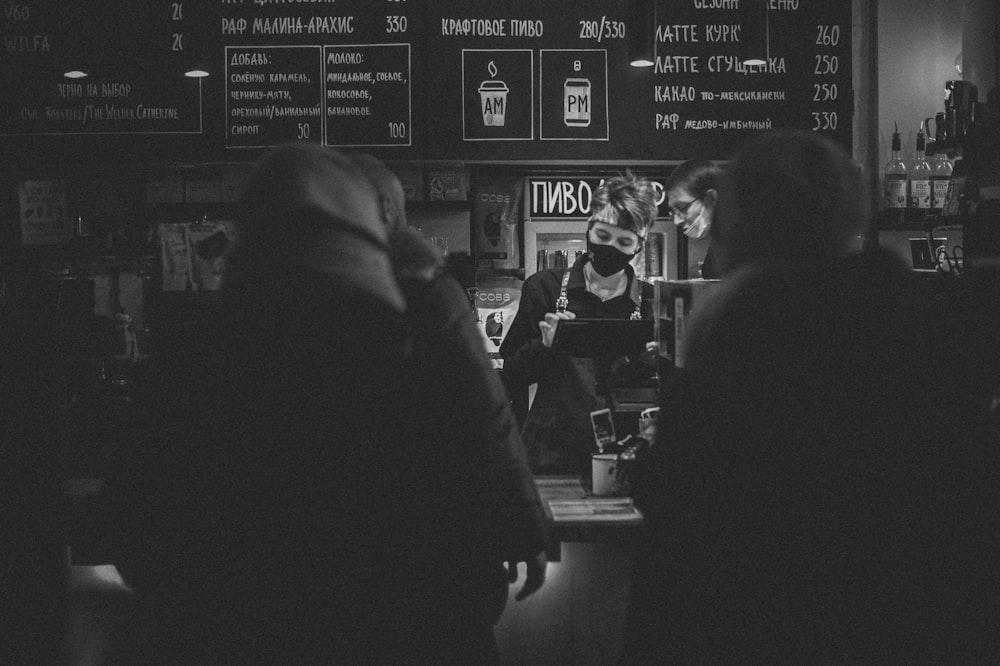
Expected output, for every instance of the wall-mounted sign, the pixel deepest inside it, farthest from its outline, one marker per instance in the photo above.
(439, 80)
(571, 197)
(498, 95)
(574, 100)
(44, 212)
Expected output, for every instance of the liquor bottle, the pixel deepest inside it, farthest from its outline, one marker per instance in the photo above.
(895, 176)
(920, 175)
(940, 179)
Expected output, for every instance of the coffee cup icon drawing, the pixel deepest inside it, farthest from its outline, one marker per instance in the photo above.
(493, 97)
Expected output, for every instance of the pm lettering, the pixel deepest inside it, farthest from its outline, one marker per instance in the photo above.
(576, 103)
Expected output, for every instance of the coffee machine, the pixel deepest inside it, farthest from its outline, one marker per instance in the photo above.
(960, 102)
(949, 128)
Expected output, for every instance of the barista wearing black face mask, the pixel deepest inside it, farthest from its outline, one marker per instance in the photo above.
(556, 430)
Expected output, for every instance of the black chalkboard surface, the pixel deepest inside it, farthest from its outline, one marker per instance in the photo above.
(700, 95)
(467, 80)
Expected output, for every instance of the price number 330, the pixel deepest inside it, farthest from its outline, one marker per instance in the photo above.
(824, 120)
(395, 24)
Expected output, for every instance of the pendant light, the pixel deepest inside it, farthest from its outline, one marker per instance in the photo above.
(641, 33)
(755, 32)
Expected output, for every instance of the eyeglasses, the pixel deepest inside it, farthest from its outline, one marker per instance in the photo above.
(682, 209)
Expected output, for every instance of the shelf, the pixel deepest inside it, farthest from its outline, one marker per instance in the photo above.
(451, 204)
(914, 219)
(951, 147)
(906, 219)
(500, 272)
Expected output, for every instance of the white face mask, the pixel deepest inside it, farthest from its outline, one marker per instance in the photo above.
(698, 227)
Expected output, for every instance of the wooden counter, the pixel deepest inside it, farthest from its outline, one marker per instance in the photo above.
(575, 515)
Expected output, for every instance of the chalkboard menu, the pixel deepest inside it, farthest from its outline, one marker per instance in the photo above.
(131, 52)
(469, 80)
(701, 93)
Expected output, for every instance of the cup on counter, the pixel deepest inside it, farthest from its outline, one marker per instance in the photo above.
(647, 422)
(604, 474)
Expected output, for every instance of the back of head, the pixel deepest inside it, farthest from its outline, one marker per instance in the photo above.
(788, 196)
(309, 210)
(625, 201)
(412, 255)
(392, 198)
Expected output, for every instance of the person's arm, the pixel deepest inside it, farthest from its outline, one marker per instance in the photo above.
(685, 574)
(522, 530)
(523, 536)
(526, 358)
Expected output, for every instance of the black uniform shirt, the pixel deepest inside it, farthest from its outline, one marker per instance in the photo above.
(557, 431)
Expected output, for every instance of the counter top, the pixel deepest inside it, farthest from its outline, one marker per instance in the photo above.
(574, 514)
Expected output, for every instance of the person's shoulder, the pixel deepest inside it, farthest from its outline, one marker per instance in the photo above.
(547, 278)
(445, 292)
(881, 265)
(744, 299)
(746, 284)
(547, 275)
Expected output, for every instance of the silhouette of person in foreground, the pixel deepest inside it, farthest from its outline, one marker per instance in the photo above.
(819, 487)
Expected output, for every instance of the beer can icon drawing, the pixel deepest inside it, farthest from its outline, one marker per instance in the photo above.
(576, 102)
(493, 97)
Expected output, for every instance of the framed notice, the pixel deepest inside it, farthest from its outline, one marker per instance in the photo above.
(44, 214)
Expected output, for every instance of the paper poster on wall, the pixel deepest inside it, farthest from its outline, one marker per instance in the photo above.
(447, 181)
(44, 212)
(496, 207)
(496, 298)
(193, 256)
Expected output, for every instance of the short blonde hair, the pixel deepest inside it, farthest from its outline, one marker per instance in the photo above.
(627, 202)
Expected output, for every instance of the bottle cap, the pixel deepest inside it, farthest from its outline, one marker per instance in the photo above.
(896, 145)
(921, 144)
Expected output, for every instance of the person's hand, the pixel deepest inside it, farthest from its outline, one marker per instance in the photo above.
(549, 324)
(647, 423)
(534, 575)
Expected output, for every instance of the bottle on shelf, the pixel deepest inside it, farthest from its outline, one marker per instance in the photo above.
(895, 175)
(920, 175)
(941, 170)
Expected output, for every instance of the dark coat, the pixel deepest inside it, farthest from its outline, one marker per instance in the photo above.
(818, 491)
(250, 510)
(322, 479)
(45, 368)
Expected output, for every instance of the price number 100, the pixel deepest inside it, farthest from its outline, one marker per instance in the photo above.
(397, 130)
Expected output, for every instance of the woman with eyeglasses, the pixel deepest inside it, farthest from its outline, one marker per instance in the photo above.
(602, 284)
(692, 192)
